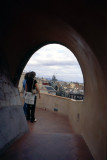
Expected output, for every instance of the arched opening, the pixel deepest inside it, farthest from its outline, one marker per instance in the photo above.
(58, 61)
(25, 36)
(91, 72)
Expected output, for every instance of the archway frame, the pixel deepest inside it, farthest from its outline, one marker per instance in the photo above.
(45, 30)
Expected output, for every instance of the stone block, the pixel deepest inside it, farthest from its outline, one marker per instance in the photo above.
(2, 96)
(16, 92)
(12, 124)
(6, 88)
(13, 101)
(18, 100)
(3, 102)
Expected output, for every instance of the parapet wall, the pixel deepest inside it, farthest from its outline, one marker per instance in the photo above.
(81, 120)
(66, 106)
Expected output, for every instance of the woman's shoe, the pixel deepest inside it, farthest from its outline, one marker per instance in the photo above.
(35, 120)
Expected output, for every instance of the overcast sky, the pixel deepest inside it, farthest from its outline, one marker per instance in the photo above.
(55, 59)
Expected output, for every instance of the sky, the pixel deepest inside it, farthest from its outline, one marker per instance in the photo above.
(55, 59)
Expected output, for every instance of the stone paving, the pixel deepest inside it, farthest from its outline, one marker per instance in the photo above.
(50, 138)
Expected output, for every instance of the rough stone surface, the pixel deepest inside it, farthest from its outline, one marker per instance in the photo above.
(12, 124)
(9, 95)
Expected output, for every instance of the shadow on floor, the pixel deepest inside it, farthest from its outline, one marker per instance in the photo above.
(50, 138)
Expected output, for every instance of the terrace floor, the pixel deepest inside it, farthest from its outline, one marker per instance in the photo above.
(50, 138)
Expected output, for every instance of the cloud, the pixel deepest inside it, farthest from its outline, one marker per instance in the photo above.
(55, 59)
(50, 62)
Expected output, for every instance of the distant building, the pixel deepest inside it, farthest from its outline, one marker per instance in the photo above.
(73, 90)
(48, 89)
(76, 96)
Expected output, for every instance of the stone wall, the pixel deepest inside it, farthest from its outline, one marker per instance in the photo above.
(12, 120)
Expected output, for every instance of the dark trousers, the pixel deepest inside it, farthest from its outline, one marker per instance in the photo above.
(31, 111)
(25, 109)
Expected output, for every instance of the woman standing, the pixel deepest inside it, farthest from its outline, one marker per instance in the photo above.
(31, 83)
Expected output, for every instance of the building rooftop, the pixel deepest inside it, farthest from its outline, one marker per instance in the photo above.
(50, 88)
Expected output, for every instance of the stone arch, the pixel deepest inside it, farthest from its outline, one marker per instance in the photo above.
(58, 31)
(29, 55)
(29, 32)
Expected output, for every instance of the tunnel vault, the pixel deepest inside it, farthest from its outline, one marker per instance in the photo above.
(27, 27)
